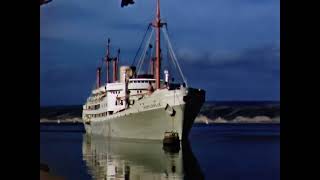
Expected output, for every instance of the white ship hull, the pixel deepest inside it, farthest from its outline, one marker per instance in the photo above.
(152, 116)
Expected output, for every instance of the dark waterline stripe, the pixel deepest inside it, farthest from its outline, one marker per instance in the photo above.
(71, 131)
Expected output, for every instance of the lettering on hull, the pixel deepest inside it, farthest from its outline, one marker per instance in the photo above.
(150, 106)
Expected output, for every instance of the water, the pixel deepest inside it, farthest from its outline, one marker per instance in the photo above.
(222, 151)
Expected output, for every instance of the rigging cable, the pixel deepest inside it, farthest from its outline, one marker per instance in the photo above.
(174, 64)
(169, 63)
(140, 62)
(171, 57)
(174, 56)
(145, 34)
(149, 58)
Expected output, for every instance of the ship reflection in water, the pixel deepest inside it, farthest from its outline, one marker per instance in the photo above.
(144, 160)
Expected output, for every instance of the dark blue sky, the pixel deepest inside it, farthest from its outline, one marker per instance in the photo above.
(230, 48)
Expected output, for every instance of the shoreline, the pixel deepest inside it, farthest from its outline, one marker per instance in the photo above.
(233, 112)
(199, 120)
(238, 120)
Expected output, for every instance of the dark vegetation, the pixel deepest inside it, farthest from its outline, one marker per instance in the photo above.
(212, 110)
(60, 112)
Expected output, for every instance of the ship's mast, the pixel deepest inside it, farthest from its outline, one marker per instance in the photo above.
(157, 24)
(98, 78)
(107, 61)
(115, 66)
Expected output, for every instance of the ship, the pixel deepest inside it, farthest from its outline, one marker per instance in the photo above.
(143, 104)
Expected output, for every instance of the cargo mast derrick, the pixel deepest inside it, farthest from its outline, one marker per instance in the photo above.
(115, 66)
(108, 61)
(157, 24)
(98, 78)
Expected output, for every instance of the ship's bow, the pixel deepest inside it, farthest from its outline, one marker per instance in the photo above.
(193, 103)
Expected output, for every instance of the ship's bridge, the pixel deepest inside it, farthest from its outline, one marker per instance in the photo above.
(140, 83)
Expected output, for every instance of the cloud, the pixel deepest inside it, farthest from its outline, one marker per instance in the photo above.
(267, 54)
(245, 74)
(223, 22)
(224, 46)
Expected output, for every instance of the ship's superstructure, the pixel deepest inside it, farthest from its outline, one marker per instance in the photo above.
(138, 103)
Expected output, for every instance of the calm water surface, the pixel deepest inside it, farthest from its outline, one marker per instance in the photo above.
(223, 151)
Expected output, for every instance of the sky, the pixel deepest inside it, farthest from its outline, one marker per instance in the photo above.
(230, 48)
